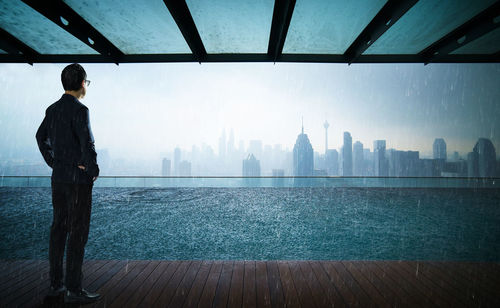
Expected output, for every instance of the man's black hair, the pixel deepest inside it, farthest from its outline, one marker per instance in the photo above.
(72, 77)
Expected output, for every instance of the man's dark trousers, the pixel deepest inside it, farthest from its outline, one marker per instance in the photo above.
(72, 205)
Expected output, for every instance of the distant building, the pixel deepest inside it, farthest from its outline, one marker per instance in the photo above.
(251, 166)
(358, 161)
(177, 160)
(347, 155)
(404, 163)
(332, 162)
(429, 167)
(326, 125)
(483, 159)
(222, 145)
(184, 168)
(278, 172)
(368, 160)
(165, 167)
(439, 149)
(255, 147)
(455, 168)
(303, 160)
(472, 164)
(380, 163)
(319, 172)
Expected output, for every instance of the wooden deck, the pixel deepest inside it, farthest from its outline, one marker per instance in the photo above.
(263, 283)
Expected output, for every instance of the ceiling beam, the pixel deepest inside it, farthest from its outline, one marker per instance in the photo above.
(476, 27)
(236, 58)
(282, 15)
(61, 14)
(182, 17)
(390, 13)
(13, 46)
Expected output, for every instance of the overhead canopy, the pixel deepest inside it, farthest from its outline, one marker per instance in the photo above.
(356, 31)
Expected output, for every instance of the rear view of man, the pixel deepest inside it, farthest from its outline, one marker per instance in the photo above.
(67, 145)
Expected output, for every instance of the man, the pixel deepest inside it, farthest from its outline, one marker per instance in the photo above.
(66, 142)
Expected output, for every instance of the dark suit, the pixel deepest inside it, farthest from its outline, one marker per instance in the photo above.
(65, 140)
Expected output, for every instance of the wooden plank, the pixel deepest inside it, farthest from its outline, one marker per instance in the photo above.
(236, 290)
(473, 291)
(355, 287)
(149, 282)
(185, 285)
(275, 287)
(15, 269)
(347, 294)
(112, 289)
(22, 274)
(193, 297)
(386, 285)
(208, 294)
(126, 293)
(478, 276)
(249, 288)
(159, 286)
(39, 299)
(23, 286)
(431, 294)
(393, 298)
(101, 277)
(373, 293)
(262, 285)
(169, 289)
(444, 281)
(224, 285)
(420, 299)
(303, 292)
(432, 288)
(330, 292)
(6, 264)
(289, 291)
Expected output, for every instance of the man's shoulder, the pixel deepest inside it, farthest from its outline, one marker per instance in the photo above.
(67, 101)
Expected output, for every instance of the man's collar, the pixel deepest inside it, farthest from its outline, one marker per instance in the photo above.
(67, 96)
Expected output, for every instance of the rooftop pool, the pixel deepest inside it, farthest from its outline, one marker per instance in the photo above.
(266, 223)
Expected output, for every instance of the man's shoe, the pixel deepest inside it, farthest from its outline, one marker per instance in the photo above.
(81, 297)
(56, 291)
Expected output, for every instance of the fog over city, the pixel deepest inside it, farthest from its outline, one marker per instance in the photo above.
(141, 112)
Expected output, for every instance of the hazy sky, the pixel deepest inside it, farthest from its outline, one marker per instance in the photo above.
(143, 109)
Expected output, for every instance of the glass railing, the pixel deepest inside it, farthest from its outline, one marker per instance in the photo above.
(236, 181)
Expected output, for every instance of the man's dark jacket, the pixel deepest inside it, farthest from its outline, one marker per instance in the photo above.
(65, 140)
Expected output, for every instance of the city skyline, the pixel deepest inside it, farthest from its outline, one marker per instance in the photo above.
(137, 110)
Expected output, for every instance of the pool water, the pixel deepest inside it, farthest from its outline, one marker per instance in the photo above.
(265, 224)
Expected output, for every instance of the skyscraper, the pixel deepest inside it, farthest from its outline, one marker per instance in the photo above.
(347, 155)
(222, 145)
(381, 165)
(485, 158)
(251, 166)
(358, 159)
(184, 168)
(165, 167)
(255, 148)
(303, 157)
(177, 160)
(326, 125)
(230, 144)
(332, 162)
(439, 149)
